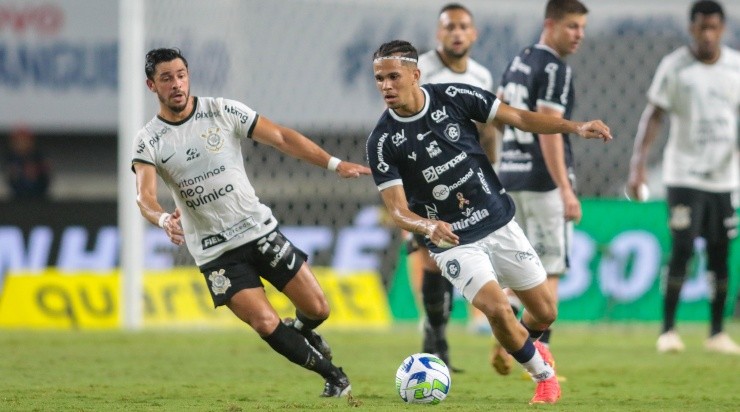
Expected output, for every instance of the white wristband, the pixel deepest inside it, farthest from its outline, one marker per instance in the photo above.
(333, 163)
(162, 219)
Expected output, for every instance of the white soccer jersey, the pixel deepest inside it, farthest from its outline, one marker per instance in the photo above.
(703, 101)
(433, 70)
(200, 160)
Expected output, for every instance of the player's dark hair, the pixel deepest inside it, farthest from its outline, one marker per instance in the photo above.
(455, 6)
(156, 56)
(396, 48)
(557, 9)
(706, 7)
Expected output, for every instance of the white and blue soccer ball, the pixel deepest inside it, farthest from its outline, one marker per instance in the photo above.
(423, 378)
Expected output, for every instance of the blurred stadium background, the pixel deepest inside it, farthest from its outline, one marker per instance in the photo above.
(305, 64)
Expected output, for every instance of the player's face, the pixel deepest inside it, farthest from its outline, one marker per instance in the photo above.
(396, 81)
(706, 31)
(456, 33)
(172, 84)
(567, 33)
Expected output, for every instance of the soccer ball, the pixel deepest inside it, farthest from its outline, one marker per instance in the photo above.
(423, 378)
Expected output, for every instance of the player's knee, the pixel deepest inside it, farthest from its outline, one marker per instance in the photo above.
(317, 309)
(497, 310)
(717, 257)
(682, 249)
(548, 315)
(263, 323)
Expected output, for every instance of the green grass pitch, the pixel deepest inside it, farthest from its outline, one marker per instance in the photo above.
(608, 368)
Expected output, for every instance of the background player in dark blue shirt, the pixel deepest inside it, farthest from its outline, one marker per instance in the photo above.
(537, 169)
(436, 180)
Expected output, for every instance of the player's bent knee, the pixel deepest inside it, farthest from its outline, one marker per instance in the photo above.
(263, 324)
(547, 315)
(317, 309)
(494, 309)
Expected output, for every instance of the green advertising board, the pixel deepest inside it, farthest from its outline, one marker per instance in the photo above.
(619, 252)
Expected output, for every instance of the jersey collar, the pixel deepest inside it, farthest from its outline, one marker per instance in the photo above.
(415, 117)
(547, 48)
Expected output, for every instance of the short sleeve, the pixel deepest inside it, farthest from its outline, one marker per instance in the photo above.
(241, 116)
(143, 152)
(381, 160)
(660, 91)
(479, 105)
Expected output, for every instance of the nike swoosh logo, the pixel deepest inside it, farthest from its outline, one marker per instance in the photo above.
(292, 262)
(170, 157)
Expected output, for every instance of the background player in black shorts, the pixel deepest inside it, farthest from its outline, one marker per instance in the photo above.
(699, 86)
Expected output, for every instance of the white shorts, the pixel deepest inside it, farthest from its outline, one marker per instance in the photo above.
(504, 256)
(540, 215)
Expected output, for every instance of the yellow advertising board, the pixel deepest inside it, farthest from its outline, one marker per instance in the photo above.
(178, 297)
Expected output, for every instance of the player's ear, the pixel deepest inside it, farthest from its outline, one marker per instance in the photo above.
(150, 84)
(549, 23)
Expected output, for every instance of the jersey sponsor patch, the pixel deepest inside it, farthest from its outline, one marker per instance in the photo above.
(228, 234)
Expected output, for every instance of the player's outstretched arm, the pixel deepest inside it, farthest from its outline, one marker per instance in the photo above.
(301, 147)
(540, 123)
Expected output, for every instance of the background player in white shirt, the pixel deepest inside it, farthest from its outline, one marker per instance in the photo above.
(449, 62)
(698, 85)
(537, 169)
(194, 145)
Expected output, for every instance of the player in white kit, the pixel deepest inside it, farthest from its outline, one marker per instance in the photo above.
(194, 145)
(699, 87)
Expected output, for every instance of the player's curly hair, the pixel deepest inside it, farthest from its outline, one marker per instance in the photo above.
(156, 56)
(396, 48)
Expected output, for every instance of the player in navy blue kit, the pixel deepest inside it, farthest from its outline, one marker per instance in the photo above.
(537, 169)
(435, 180)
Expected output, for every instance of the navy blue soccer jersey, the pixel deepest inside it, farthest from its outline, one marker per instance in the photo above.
(537, 76)
(436, 156)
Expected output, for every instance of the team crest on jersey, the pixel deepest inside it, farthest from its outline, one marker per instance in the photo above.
(453, 268)
(440, 115)
(219, 282)
(213, 139)
(452, 131)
